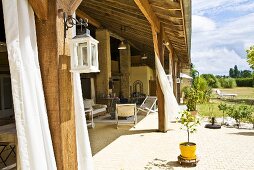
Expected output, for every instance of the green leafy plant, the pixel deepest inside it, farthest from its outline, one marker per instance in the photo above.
(189, 122)
(191, 96)
(239, 113)
(251, 118)
(223, 108)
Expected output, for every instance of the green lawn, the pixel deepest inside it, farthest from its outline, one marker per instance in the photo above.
(245, 95)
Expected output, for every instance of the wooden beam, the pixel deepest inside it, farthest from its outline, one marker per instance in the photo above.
(184, 27)
(146, 9)
(57, 86)
(168, 4)
(40, 8)
(73, 6)
(158, 49)
(91, 20)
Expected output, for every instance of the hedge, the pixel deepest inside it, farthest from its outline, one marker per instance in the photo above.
(244, 82)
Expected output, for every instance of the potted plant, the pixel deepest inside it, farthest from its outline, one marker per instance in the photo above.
(189, 122)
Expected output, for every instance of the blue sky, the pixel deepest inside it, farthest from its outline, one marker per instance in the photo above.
(222, 30)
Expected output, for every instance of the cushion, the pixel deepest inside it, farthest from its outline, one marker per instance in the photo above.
(88, 103)
(99, 106)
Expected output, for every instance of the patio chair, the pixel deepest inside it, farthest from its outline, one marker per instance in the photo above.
(9, 148)
(148, 105)
(128, 111)
(222, 95)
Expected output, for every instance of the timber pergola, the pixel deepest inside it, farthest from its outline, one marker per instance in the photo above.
(153, 23)
(150, 23)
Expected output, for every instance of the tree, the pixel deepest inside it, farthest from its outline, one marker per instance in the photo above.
(236, 71)
(231, 72)
(245, 74)
(250, 56)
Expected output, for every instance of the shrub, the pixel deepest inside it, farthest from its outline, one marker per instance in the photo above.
(211, 80)
(192, 98)
(251, 118)
(244, 82)
(227, 82)
(239, 113)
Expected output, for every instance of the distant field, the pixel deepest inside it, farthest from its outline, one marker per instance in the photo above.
(245, 95)
(242, 92)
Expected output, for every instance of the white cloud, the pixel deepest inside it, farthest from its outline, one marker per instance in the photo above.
(218, 47)
(201, 24)
(217, 61)
(201, 7)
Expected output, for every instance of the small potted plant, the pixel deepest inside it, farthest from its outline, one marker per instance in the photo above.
(189, 122)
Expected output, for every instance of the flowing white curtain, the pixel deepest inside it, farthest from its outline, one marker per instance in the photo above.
(34, 140)
(84, 154)
(170, 105)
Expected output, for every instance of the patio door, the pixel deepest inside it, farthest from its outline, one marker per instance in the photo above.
(6, 103)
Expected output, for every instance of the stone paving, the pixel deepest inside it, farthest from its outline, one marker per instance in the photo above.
(144, 148)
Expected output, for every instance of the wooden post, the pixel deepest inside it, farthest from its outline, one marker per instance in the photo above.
(157, 40)
(54, 57)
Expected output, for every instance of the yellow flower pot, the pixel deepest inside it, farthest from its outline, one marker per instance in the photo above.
(188, 150)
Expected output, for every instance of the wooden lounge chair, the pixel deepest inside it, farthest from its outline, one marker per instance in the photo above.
(128, 111)
(148, 105)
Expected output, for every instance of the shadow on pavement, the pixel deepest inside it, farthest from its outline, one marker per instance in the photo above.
(244, 133)
(163, 164)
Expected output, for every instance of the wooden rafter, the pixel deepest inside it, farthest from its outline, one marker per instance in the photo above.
(91, 20)
(73, 5)
(166, 4)
(184, 30)
(146, 9)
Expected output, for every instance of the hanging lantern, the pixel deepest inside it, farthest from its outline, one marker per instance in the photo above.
(84, 48)
(84, 54)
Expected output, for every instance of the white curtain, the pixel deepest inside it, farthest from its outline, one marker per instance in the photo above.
(171, 105)
(84, 154)
(34, 140)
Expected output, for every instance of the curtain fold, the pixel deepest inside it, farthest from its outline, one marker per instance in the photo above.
(84, 154)
(34, 140)
(170, 105)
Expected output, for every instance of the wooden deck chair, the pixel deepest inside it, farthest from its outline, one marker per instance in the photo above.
(128, 111)
(148, 104)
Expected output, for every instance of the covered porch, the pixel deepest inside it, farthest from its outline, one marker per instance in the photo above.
(145, 27)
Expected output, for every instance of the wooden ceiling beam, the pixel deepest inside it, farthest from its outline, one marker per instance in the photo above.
(40, 8)
(168, 9)
(105, 13)
(166, 12)
(184, 26)
(168, 4)
(110, 10)
(163, 15)
(113, 5)
(73, 6)
(91, 20)
(146, 9)
(117, 19)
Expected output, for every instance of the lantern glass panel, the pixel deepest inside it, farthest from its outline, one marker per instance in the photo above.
(82, 54)
(93, 50)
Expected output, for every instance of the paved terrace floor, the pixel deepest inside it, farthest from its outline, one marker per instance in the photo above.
(142, 147)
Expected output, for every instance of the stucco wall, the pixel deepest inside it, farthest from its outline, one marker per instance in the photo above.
(144, 74)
